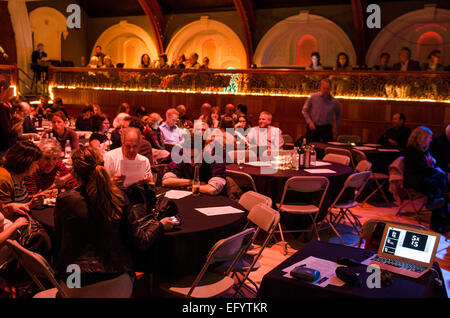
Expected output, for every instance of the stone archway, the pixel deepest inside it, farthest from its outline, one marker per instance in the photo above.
(47, 25)
(421, 30)
(125, 43)
(279, 46)
(214, 37)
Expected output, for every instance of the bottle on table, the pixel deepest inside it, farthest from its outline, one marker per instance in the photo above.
(302, 154)
(67, 150)
(307, 162)
(196, 182)
(313, 156)
(295, 159)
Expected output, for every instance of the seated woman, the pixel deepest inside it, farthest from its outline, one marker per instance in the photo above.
(145, 61)
(88, 225)
(51, 173)
(212, 175)
(215, 117)
(152, 134)
(315, 62)
(422, 175)
(61, 132)
(99, 138)
(20, 161)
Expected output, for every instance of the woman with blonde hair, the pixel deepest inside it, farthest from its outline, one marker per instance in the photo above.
(423, 175)
(89, 227)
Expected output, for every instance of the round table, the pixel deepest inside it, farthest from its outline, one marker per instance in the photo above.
(183, 250)
(272, 185)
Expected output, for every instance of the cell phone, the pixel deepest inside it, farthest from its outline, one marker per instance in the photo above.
(175, 219)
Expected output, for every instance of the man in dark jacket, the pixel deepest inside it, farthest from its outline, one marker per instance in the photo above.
(397, 136)
(406, 64)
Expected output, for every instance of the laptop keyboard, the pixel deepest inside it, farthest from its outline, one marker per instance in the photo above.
(400, 264)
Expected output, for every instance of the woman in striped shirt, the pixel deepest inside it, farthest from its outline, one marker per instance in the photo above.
(51, 173)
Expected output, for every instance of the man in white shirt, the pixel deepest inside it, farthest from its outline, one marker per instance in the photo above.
(265, 136)
(129, 151)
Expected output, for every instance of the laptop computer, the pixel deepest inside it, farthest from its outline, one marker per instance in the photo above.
(406, 251)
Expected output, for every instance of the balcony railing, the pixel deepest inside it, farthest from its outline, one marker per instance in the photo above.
(369, 85)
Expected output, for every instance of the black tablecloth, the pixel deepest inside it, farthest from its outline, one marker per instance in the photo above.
(380, 159)
(184, 250)
(274, 285)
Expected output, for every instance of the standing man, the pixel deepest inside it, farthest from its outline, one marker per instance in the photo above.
(318, 113)
(38, 63)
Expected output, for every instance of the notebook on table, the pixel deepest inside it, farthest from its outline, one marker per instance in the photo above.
(406, 251)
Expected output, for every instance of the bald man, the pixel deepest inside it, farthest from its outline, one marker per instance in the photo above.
(113, 159)
(440, 149)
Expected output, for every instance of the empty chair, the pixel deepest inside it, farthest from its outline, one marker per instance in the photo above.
(404, 195)
(266, 219)
(358, 155)
(250, 198)
(343, 160)
(346, 199)
(349, 138)
(243, 180)
(37, 267)
(303, 184)
(370, 226)
(288, 141)
(340, 151)
(363, 165)
(211, 284)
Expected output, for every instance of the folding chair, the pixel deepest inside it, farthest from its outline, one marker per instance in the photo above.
(212, 284)
(266, 219)
(242, 179)
(349, 138)
(378, 178)
(288, 142)
(303, 184)
(250, 198)
(369, 226)
(37, 267)
(344, 201)
(404, 195)
(343, 160)
(340, 151)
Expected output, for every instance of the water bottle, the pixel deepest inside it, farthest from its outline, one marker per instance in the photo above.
(313, 156)
(307, 158)
(67, 150)
(196, 182)
(295, 159)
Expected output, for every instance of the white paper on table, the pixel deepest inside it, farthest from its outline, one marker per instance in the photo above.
(177, 194)
(388, 150)
(322, 163)
(363, 148)
(259, 163)
(326, 268)
(219, 210)
(320, 171)
(133, 170)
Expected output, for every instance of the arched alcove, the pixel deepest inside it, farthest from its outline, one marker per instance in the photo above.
(281, 44)
(47, 26)
(421, 30)
(213, 37)
(125, 43)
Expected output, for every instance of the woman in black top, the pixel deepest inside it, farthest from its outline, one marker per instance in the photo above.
(422, 175)
(100, 126)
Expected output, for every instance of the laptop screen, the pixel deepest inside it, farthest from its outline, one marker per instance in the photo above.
(409, 244)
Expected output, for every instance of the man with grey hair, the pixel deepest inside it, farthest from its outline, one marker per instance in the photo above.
(129, 151)
(440, 149)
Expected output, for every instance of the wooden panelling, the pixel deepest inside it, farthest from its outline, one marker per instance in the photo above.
(369, 119)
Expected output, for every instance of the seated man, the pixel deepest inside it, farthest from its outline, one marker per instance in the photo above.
(128, 151)
(264, 135)
(398, 135)
(440, 149)
(170, 132)
(212, 175)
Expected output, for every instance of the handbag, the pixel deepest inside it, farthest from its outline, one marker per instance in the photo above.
(33, 236)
